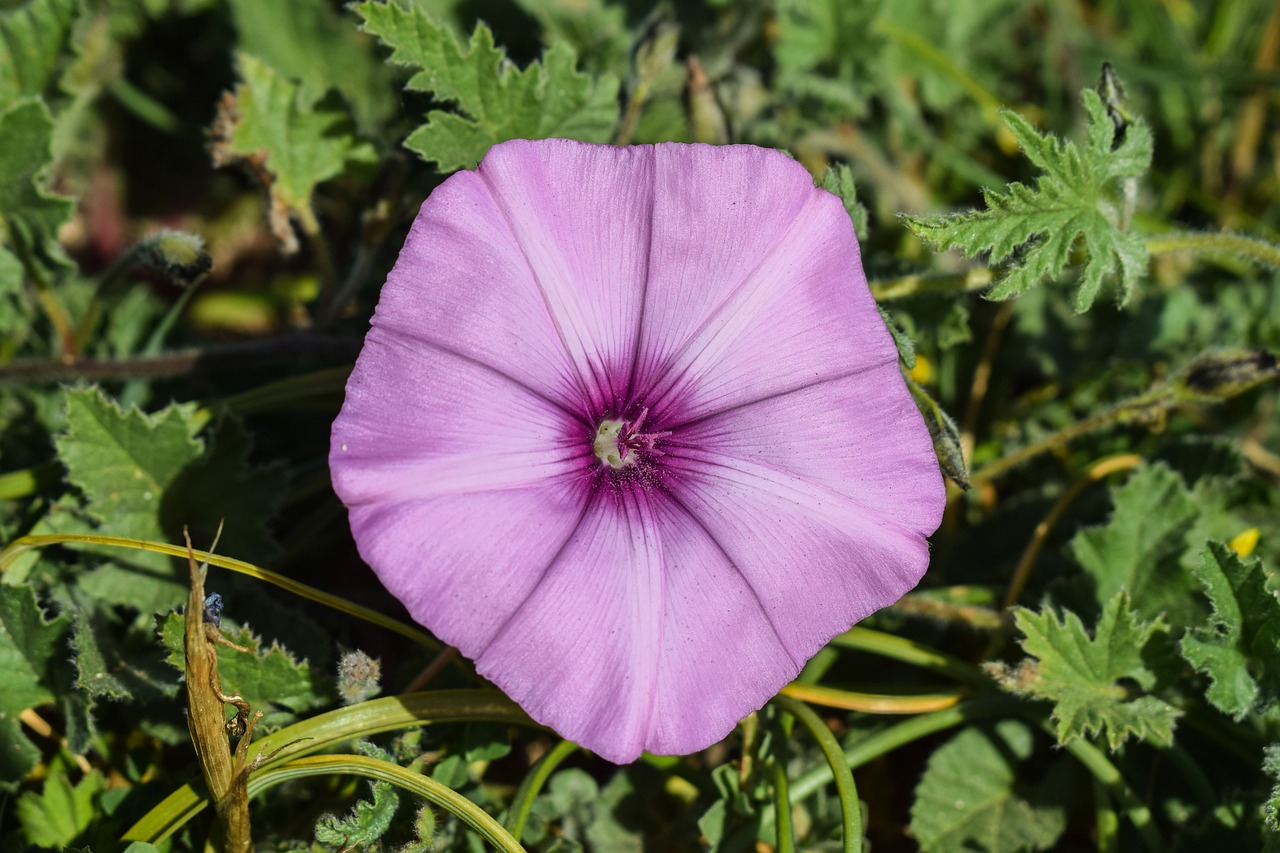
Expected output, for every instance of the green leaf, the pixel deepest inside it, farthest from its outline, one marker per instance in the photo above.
(272, 681)
(29, 216)
(497, 101)
(32, 41)
(1140, 547)
(289, 138)
(1074, 199)
(30, 655)
(147, 476)
(60, 813)
(969, 799)
(117, 661)
(124, 461)
(1240, 647)
(1086, 676)
(838, 180)
(18, 755)
(30, 649)
(828, 51)
(13, 307)
(317, 46)
(597, 30)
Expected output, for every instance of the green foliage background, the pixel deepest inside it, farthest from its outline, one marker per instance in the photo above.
(199, 200)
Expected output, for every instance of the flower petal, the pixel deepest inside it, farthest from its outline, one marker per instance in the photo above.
(582, 216)
(719, 211)
(860, 436)
(581, 653)
(801, 317)
(817, 560)
(463, 564)
(461, 285)
(418, 422)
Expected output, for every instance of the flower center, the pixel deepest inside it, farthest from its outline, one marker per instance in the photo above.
(620, 443)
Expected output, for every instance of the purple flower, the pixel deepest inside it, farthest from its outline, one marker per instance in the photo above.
(630, 433)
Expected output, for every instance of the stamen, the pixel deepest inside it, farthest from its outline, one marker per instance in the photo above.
(619, 443)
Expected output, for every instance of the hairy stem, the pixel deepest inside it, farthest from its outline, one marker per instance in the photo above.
(1238, 245)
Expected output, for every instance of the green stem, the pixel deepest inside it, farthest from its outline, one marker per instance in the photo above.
(1109, 776)
(230, 357)
(384, 771)
(908, 731)
(1105, 820)
(978, 278)
(839, 765)
(916, 654)
(1250, 248)
(1146, 405)
(782, 808)
(529, 789)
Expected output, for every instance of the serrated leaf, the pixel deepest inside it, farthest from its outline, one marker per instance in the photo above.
(61, 812)
(32, 40)
(1073, 200)
(497, 101)
(112, 662)
(968, 798)
(29, 215)
(1084, 675)
(123, 461)
(270, 680)
(1140, 547)
(30, 648)
(291, 139)
(147, 476)
(1240, 647)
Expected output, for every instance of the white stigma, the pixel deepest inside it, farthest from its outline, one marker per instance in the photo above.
(609, 449)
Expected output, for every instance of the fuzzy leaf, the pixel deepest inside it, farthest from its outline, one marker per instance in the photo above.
(1073, 199)
(29, 216)
(147, 476)
(291, 139)
(30, 648)
(32, 40)
(123, 461)
(272, 681)
(497, 101)
(1083, 675)
(1140, 546)
(1240, 648)
(968, 800)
